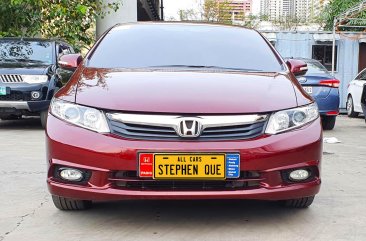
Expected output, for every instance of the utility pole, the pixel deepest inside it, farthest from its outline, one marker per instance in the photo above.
(162, 10)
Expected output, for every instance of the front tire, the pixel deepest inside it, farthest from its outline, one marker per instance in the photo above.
(43, 116)
(67, 204)
(350, 108)
(299, 203)
(328, 122)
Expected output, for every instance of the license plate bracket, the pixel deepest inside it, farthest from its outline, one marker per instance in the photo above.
(189, 166)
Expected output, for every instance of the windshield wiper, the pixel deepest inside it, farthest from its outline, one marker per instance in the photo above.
(205, 67)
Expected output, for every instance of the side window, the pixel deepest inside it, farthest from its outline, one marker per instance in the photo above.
(71, 50)
(362, 75)
(64, 49)
(323, 53)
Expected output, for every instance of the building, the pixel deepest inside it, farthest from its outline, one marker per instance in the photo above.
(308, 10)
(350, 52)
(303, 10)
(130, 11)
(238, 9)
(275, 9)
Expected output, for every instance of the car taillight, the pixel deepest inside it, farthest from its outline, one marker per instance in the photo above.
(330, 82)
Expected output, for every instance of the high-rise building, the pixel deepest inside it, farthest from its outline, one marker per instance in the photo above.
(238, 9)
(303, 10)
(275, 9)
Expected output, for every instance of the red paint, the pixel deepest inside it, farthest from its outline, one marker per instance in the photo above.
(146, 165)
(70, 61)
(103, 154)
(182, 92)
(237, 92)
(297, 67)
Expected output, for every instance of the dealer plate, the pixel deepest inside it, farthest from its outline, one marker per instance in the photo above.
(189, 166)
(2, 90)
(308, 89)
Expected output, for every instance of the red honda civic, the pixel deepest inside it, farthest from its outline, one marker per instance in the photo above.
(182, 111)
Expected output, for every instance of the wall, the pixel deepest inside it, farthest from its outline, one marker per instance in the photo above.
(127, 13)
(299, 44)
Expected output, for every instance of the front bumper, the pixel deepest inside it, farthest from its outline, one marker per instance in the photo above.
(19, 101)
(32, 106)
(103, 155)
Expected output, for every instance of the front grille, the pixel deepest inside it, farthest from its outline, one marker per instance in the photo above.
(151, 132)
(130, 181)
(11, 78)
(16, 96)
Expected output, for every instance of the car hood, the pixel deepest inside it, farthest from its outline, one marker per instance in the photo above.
(184, 92)
(23, 68)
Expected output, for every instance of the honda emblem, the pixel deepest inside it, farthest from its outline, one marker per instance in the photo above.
(189, 127)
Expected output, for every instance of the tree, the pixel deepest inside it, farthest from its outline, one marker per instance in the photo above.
(336, 7)
(188, 14)
(20, 16)
(217, 11)
(70, 20)
(287, 23)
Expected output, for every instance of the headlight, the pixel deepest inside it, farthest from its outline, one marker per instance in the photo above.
(82, 116)
(34, 79)
(285, 120)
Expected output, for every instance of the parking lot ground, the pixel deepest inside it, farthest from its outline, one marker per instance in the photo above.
(27, 212)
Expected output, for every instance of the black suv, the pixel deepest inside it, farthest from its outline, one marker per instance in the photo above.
(30, 76)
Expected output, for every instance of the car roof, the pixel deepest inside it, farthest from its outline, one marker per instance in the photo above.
(183, 23)
(304, 59)
(33, 39)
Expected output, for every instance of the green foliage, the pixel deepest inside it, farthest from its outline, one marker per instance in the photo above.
(188, 14)
(18, 16)
(215, 11)
(336, 7)
(71, 20)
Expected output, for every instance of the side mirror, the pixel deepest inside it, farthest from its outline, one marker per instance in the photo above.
(297, 67)
(70, 61)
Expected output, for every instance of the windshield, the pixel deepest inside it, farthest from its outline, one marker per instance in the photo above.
(316, 68)
(38, 52)
(185, 46)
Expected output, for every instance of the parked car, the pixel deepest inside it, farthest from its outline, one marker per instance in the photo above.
(29, 76)
(355, 87)
(199, 111)
(324, 88)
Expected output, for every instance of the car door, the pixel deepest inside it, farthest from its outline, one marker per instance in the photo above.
(356, 87)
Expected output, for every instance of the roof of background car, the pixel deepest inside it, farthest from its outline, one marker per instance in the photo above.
(303, 59)
(33, 39)
(182, 23)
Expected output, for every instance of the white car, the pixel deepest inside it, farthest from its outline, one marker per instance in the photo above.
(354, 93)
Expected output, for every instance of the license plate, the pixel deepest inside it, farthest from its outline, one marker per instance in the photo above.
(308, 90)
(2, 90)
(189, 166)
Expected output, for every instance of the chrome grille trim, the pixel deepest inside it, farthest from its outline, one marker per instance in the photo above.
(11, 78)
(165, 127)
(173, 120)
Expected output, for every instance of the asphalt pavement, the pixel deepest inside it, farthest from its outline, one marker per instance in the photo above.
(27, 212)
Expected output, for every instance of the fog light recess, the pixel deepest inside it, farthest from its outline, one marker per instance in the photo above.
(299, 175)
(35, 95)
(71, 174)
